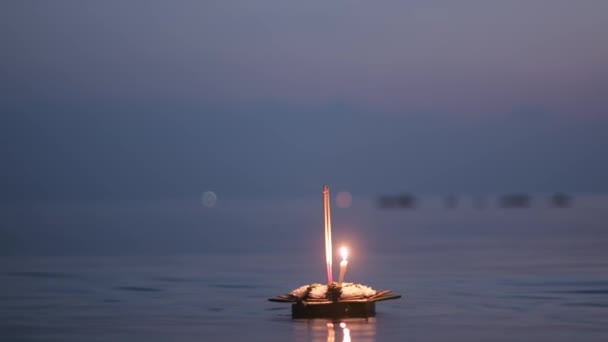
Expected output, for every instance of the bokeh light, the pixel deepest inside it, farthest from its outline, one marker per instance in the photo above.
(209, 199)
(344, 199)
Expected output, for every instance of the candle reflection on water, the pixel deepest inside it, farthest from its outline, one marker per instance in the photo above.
(344, 330)
(331, 332)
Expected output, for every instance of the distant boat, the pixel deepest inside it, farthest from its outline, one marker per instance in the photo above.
(561, 200)
(405, 201)
(479, 202)
(515, 201)
(450, 201)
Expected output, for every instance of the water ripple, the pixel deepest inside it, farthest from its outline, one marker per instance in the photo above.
(586, 291)
(138, 289)
(233, 286)
(588, 304)
(33, 274)
(560, 283)
(533, 297)
(175, 279)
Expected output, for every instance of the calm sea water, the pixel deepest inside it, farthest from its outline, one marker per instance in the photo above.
(176, 271)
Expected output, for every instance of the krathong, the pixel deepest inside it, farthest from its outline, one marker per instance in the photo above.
(334, 299)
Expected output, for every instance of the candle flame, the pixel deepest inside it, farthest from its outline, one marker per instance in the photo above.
(344, 253)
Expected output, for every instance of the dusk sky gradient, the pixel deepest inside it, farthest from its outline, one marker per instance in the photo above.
(156, 99)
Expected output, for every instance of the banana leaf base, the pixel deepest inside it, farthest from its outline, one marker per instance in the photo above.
(335, 310)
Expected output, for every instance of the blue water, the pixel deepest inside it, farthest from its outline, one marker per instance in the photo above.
(465, 273)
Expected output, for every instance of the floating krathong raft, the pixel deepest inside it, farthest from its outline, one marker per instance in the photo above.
(330, 301)
(336, 299)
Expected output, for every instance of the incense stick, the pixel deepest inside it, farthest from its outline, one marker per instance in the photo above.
(328, 246)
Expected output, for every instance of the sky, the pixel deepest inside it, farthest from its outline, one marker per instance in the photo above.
(166, 99)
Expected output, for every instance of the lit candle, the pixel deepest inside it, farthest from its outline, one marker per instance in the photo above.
(328, 247)
(343, 264)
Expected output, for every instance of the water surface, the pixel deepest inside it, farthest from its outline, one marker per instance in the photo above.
(464, 273)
